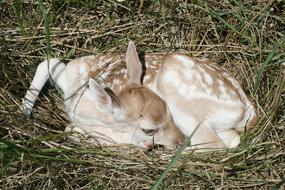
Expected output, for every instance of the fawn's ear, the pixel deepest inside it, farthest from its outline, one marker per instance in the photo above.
(134, 66)
(100, 95)
(105, 99)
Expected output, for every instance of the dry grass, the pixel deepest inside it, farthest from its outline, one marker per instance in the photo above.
(35, 153)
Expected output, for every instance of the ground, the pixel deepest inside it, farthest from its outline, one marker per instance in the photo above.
(245, 37)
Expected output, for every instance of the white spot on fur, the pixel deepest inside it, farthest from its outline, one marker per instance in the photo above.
(183, 90)
(104, 75)
(189, 74)
(205, 88)
(123, 71)
(203, 59)
(101, 58)
(172, 77)
(202, 71)
(82, 82)
(154, 62)
(224, 94)
(208, 79)
(220, 82)
(146, 77)
(209, 67)
(83, 69)
(186, 61)
(116, 82)
(94, 68)
(198, 77)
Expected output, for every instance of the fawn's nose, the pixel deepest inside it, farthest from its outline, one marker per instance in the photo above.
(148, 144)
(180, 140)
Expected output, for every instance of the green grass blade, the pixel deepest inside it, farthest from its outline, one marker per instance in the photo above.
(266, 62)
(8, 145)
(17, 10)
(173, 160)
(46, 24)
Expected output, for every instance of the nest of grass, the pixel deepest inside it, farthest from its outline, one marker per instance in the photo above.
(244, 37)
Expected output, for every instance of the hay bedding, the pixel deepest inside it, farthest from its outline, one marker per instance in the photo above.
(35, 153)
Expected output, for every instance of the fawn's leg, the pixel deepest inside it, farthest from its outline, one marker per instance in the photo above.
(205, 138)
(229, 137)
(54, 69)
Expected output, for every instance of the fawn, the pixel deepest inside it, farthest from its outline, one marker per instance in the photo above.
(197, 92)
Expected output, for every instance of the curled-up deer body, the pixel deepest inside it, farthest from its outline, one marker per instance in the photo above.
(197, 92)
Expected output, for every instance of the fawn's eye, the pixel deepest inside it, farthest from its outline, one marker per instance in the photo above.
(150, 131)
